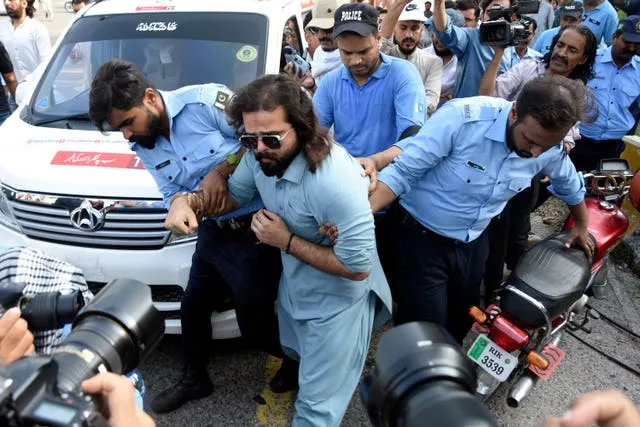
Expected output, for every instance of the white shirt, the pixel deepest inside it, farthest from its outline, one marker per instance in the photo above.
(429, 66)
(448, 72)
(324, 62)
(28, 45)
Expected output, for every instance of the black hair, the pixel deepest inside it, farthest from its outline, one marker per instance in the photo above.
(583, 72)
(117, 84)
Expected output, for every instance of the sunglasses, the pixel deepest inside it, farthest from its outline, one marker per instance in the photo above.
(272, 142)
(315, 30)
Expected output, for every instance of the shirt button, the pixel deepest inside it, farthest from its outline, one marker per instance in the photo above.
(170, 177)
(468, 181)
(184, 158)
(211, 151)
(201, 178)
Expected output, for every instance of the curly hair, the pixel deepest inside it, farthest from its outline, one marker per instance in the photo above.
(279, 90)
(584, 71)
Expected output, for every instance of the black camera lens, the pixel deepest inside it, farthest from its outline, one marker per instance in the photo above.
(113, 333)
(50, 310)
(422, 378)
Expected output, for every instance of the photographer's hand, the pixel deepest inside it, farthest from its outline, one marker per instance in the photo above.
(117, 393)
(608, 408)
(16, 340)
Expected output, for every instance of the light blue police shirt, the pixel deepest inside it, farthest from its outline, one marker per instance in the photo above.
(473, 57)
(603, 21)
(615, 90)
(543, 44)
(335, 193)
(201, 138)
(457, 173)
(368, 119)
(512, 58)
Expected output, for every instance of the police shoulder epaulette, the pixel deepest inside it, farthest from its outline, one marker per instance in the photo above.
(474, 113)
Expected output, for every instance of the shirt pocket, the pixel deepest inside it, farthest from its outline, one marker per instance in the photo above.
(300, 220)
(202, 151)
(629, 94)
(473, 182)
(518, 184)
(170, 172)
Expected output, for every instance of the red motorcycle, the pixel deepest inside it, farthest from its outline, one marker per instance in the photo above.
(548, 290)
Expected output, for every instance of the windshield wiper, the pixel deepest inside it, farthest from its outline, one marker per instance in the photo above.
(81, 117)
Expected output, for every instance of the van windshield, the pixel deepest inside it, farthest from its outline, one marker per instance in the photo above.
(172, 49)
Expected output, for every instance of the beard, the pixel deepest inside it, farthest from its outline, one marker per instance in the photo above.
(442, 52)
(408, 51)
(511, 143)
(278, 164)
(148, 140)
(15, 13)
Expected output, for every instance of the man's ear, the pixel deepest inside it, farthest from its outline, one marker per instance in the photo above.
(513, 114)
(150, 97)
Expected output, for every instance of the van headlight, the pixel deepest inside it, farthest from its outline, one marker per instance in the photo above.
(6, 214)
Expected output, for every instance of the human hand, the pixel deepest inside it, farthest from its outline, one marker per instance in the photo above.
(181, 218)
(369, 166)
(330, 231)
(269, 228)
(16, 340)
(119, 407)
(580, 235)
(609, 408)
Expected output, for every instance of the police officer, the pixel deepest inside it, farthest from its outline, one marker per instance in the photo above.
(456, 174)
(183, 139)
(616, 86)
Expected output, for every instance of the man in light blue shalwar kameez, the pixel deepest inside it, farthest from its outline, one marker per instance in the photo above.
(330, 296)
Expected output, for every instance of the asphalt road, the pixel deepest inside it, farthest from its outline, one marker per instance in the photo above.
(240, 375)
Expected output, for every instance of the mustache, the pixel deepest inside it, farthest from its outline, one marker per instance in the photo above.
(325, 39)
(267, 156)
(560, 58)
(408, 39)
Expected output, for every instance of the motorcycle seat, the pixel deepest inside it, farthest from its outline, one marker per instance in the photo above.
(552, 274)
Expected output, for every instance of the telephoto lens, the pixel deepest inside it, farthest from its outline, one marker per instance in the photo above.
(50, 310)
(422, 378)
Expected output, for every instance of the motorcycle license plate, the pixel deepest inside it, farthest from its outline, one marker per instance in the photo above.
(496, 361)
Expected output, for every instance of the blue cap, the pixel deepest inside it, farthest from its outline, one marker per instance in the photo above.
(630, 27)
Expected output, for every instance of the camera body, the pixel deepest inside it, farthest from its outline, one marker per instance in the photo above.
(112, 333)
(300, 65)
(510, 31)
(43, 311)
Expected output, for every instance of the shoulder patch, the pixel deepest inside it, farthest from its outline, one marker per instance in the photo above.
(474, 113)
(222, 99)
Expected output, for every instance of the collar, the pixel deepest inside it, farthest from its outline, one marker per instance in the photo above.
(379, 73)
(498, 130)
(296, 169)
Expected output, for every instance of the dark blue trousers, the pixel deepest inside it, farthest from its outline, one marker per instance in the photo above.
(436, 278)
(229, 262)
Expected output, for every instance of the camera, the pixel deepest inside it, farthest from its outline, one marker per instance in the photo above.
(43, 311)
(422, 378)
(508, 32)
(300, 65)
(113, 332)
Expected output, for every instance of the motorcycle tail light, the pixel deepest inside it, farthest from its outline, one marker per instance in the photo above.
(537, 360)
(507, 335)
(477, 314)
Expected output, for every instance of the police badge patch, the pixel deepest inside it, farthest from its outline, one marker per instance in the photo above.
(222, 98)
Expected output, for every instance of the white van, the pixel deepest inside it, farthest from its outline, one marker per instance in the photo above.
(82, 195)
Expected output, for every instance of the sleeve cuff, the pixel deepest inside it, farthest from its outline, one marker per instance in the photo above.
(570, 199)
(394, 180)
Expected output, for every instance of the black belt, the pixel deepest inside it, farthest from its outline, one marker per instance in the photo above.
(408, 219)
(238, 224)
